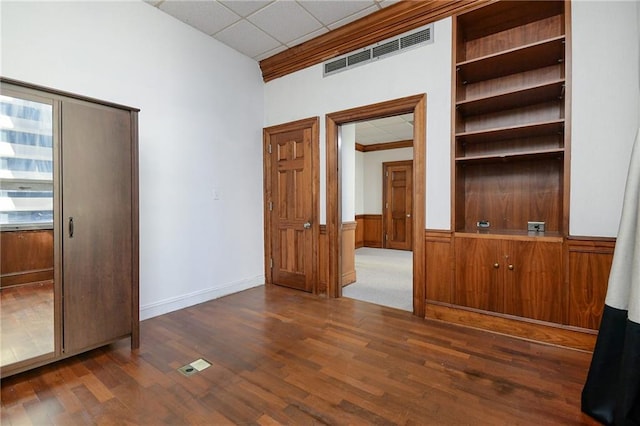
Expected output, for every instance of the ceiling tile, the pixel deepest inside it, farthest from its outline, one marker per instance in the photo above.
(247, 39)
(207, 16)
(270, 53)
(385, 3)
(307, 37)
(285, 20)
(330, 11)
(401, 131)
(245, 8)
(387, 121)
(354, 17)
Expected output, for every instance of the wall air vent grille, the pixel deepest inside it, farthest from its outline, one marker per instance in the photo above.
(415, 38)
(333, 66)
(382, 49)
(356, 58)
(385, 49)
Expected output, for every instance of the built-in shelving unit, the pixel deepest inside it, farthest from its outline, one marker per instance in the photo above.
(510, 148)
(510, 159)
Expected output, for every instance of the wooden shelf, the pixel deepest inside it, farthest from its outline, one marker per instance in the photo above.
(512, 132)
(524, 155)
(522, 235)
(512, 99)
(528, 57)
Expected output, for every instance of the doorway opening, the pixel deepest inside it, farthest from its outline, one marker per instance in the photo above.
(415, 105)
(377, 198)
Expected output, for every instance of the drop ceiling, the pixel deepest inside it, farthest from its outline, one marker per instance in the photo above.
(262, 28)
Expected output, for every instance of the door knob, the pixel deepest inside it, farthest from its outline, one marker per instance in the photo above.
(307, 225)
(408, 214)
(510, 267)
(496, 265)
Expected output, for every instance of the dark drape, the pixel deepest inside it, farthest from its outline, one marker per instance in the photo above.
(612, 391)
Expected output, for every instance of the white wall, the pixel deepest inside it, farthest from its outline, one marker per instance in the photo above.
(426, 69)
(604, 107)
(359, 182)
(348, 149)
(372, 187)
(200, 128)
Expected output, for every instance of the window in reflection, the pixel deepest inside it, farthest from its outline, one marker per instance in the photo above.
(26, 221)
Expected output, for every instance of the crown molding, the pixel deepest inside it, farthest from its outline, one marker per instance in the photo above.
(384, 146)
(385, 23)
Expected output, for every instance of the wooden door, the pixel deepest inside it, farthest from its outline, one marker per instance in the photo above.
(533, 279)
(96, 224)
(478, 282)
(291, 213)
(398, 205)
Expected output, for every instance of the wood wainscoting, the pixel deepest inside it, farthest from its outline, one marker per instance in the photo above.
(586, 273)
(19, 268)
(348, 256)
(348, 253)
(369, 233)
(439, 267)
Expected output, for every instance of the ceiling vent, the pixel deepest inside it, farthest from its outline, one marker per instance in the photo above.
(382, 49)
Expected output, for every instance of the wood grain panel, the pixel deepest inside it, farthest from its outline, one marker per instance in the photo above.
(26, 256)
(478, 282)
(359, 231)
(508, 195)
(388, 22)
(348, 253)
(439, 266)
(98, 252)
(348, 256)
(516, 327)
(323, 266)
(533, 280)
(589, 267)
(372, 230)
(384, 146)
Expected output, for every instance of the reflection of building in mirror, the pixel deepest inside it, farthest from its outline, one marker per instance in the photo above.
(26, 163)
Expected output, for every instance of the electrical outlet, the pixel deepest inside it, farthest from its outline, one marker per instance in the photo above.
(535, 226)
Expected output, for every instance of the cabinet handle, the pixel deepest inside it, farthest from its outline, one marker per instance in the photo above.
(71, 227)
(496, 265)
(510, 267)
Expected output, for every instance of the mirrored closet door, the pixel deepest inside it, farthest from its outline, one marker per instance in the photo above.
(27, 287)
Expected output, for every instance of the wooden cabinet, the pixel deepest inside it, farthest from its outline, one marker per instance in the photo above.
(523, 278)
(95, 223)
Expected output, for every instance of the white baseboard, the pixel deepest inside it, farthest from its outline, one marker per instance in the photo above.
(185, 300)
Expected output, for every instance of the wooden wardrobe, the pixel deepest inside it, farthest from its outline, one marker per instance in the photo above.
(95, 223)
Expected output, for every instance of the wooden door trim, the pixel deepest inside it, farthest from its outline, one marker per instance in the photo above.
(267, 134)
(417, 105)
(385, 212)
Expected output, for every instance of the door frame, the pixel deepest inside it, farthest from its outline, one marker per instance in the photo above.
(267, 133)
(385, 211)
(412, 104)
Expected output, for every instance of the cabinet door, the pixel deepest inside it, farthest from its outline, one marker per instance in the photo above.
(478, 283)
(96, 223)
(533, 280)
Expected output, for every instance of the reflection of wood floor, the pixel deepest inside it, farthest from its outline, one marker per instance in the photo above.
(26, 321)
(281, 356)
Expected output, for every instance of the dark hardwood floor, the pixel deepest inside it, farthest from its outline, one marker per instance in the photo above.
(285, 357)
